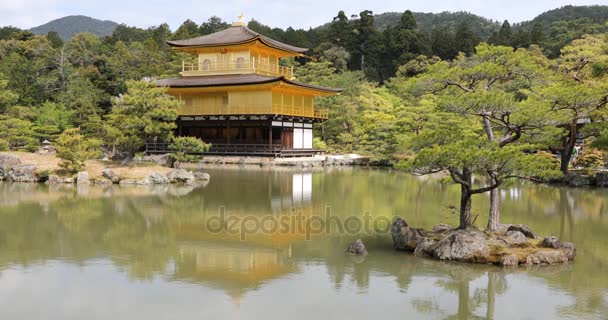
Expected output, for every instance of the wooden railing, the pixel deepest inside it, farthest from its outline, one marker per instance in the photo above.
(296, 111)
(235, 67)
(275, 150)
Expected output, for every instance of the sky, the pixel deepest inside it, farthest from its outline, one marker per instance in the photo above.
(296, 13)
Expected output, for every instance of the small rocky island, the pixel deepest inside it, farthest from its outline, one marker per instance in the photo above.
(512, 245)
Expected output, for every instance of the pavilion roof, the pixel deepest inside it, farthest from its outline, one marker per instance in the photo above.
(234, 80)
(232, 36)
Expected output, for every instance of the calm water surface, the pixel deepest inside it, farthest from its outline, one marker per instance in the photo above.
(144, 253)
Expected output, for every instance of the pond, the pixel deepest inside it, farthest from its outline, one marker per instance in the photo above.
(233, 249)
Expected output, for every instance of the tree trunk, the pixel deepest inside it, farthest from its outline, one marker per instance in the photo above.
(568, 147)
(465, 207)
(465, 199)
(494, 215)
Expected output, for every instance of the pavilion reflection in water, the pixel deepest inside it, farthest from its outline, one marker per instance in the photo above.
(224, 260)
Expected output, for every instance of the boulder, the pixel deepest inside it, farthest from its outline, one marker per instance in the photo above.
(203, 176)
(554, 243)
(180, 176)
(425, 247)
(523, 229)
(577, 180)
(404, 237)
(110, 175)
(23, 173)
(54, 179)
(82, 177)
(546, 257)
(601, 179)
(155, 178)
(442, 227)
(469, 245)
(7, 162)
(508, 260)
(357, 247)
(515, 237)
(68, 180)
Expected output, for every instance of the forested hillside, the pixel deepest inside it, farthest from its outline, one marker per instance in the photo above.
(428, 21)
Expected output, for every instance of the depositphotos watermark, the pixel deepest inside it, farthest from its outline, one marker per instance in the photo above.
(296, 222)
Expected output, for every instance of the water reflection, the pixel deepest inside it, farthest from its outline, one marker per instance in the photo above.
(156, 233)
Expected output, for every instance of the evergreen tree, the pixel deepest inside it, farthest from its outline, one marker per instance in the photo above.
(212, 25)
(537, 36)
(465, 39)
(144, 114)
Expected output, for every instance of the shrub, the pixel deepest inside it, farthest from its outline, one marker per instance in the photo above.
(319, 144)
(183, 147)
(4, 145)
(590, 158)
(74, 149)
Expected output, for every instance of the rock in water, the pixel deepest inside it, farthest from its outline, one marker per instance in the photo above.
(523, 229)
(468, 245)
(180, 176)
(23, 173)
(54, 179)
(7, 162)
(554, 243)
(357, 247)
(203, 176)
(509, 260)
(82, 177)
(404, 237)
(155, 178)
(109, 174)
(547, 257)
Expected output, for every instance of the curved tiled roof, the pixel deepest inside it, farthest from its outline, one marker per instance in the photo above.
(232, 36)
(234, 79)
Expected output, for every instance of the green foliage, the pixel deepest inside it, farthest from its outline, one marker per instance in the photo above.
(74, 149)
(185, 149)
(4, 145)
(318, 144)
(144, 114)
(51, 120)
(17, 133)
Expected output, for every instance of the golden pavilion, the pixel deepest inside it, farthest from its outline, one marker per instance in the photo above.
(240, 98)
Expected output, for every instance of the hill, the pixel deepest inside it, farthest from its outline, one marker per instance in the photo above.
(427, 21)
(596, 14)
(71, 25)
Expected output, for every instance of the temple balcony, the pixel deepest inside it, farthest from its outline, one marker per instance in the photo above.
(239, 66)
(249, 109)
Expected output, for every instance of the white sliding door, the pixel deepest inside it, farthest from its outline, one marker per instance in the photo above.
(307, 138)
(298, 138)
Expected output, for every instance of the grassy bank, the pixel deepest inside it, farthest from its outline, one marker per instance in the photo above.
(49, 163)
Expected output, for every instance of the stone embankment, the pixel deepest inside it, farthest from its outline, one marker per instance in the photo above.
(301, 162)
(575, 179)
(13, 170)
(512, 245)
